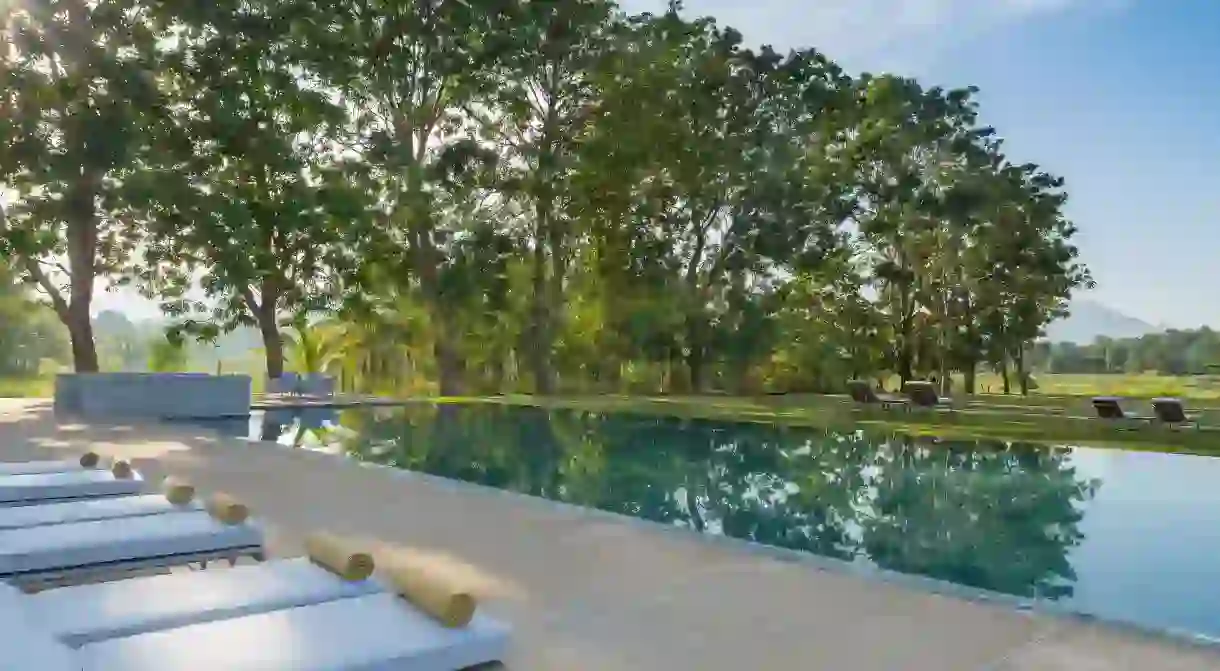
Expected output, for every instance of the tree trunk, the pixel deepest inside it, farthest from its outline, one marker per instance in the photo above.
(540, 324)
(696, 356)
(906, 345)
(696, 366)
(82, 257)
(449, 363)
(905, 361)
(1004, 375)
(80, 331)
(554, 306)
(1019, 363)
(968, 381)
(495, 372)
(273, 345)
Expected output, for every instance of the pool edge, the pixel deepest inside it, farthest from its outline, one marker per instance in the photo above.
(787, 555)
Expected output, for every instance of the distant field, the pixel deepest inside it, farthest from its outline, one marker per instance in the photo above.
(1131, 386)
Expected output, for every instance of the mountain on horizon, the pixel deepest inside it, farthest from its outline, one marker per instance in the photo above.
(1089, 320)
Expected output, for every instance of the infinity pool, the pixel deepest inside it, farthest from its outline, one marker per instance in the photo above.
(1121, 535)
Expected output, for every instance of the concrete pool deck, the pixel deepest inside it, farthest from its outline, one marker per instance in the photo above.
(595, 593)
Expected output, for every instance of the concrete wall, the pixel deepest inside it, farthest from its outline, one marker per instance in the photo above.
(152, 395)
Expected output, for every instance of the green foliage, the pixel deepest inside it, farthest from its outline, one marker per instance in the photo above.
(502, 195)
(80, 108)
(1174, 352)
(167, 356)
(30, 333)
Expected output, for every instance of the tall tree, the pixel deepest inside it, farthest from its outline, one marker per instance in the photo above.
(1038, 266)
(537, 105)
(740, 146)
(405, 69)
(79, 106)
(909, 149)
(257, 207)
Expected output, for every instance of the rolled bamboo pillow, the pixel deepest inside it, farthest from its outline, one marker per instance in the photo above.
(178, 491)
(337, 555)
(122, 470)
(90, 460)
(439, 597)
(227, 509)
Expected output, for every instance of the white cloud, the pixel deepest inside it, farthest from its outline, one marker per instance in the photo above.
(902, 35)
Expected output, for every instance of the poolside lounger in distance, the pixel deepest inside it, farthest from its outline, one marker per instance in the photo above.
(34, 488)
(68, 552)
(922, 394)
(863, 393)
(1171, 412)
(1110, 408)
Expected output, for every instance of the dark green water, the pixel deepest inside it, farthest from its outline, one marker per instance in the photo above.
(1128, 536)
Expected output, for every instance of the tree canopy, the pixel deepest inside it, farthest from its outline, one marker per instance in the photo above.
(501, 195)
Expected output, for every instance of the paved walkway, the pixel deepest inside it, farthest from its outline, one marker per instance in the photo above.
(590, 593)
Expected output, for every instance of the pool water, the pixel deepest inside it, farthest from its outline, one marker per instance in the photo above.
(1121, 535)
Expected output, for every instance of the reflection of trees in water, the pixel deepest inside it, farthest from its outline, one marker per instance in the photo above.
(297, 426)
(994, 516)
(1002, 518)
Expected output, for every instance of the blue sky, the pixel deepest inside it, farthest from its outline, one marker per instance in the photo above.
(1121, 97)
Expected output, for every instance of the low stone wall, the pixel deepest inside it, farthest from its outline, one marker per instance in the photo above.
(152, 395)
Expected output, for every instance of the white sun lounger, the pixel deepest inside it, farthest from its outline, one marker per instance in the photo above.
(310, 620)
(380, 632)
(91, 613)
(20, 517)
(34, 488)
(54, 552)
(47, 466)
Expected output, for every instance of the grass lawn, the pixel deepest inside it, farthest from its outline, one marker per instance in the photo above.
(27, 387)
(1058, 412)
(1142, 385)
(974, 422)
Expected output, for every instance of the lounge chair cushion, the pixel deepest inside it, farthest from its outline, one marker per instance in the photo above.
(48, 466)
(381, 632)
(19, 517)
(80, 544)
(17, 489)
(91, 613)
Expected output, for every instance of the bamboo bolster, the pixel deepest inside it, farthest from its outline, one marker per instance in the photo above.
(178, 491)
(441, 598)
(122, 470)
(337, 555)
(227, 509)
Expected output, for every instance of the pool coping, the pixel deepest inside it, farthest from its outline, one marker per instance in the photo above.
(792, 556)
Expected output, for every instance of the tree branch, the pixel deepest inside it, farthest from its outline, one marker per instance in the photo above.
(45, 283)
(251, 303)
